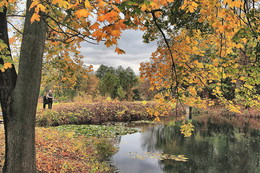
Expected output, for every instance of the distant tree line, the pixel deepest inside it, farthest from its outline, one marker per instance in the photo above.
(117, 83)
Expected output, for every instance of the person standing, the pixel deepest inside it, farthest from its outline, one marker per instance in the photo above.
(45, 100)
(50, 99)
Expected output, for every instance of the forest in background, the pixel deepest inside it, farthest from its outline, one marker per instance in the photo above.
(107, 82)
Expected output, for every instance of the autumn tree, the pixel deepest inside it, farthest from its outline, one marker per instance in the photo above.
(218, 49)
(145, 89)
(19, 93)
(63, 70)
(89, 86)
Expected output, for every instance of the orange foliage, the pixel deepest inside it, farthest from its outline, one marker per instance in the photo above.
(60, 152)
(63, 152)
(204, 58)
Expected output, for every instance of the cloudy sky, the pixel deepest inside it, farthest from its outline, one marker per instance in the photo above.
(131, 42)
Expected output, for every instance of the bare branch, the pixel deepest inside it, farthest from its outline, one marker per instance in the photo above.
(173, 69)
(15, 15)
(14, 27)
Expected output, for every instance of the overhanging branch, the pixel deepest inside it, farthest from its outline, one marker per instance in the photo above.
(173, 69)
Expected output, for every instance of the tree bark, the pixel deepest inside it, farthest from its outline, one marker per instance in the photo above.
(7, 78)
(19, 97)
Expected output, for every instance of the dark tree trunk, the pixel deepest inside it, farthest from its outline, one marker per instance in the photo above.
(7, 78)
(19, 96)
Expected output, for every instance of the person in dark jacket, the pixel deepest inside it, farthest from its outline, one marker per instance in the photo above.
(50, 99)
(45, 100)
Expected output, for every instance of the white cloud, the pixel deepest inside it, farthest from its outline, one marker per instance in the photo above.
(131, 42)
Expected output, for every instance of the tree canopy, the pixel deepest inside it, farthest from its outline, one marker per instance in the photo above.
(116, 83)
(214, 53)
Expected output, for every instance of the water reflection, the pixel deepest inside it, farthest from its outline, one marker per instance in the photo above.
(214, 147)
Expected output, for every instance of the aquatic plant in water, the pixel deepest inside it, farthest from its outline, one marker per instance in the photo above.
(98, 130)
(159, 156)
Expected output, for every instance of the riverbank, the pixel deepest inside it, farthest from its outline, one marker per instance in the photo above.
(74, 148)
(94, 113)
(116, 111)
(249, 118)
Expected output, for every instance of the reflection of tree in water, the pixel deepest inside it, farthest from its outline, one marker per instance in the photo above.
(149, 138)
(212, 148)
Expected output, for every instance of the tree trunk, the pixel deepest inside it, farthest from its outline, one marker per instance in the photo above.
(188, 112)
(19, 104)
(7, 78)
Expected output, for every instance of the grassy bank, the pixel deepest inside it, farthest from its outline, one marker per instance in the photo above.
(115, 111)
(248, 118)
(94, 113)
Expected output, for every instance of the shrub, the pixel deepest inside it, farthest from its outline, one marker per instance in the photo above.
(104, 149)
(48, 118)
(58, 151)
(95, 113)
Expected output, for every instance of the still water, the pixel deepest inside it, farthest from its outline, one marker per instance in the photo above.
(213, 148)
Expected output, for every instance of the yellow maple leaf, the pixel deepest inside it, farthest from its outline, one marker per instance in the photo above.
(227, 1)
(108, 43)
(7, 65)
(94, 26)
(119, 51)
(39, 8)
(239, 45)
(87, 4)
(233, 108)
(101, 18)
(34, 17)
(34, 3)
(192, 91)
(12, 40)
(116, 33)
(143, 7)
(236, 4)
(157, 119)
(82, 13)
(63, 4)
(194, 4)
(2, 45)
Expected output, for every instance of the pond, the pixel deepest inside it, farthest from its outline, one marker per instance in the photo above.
(214, 147)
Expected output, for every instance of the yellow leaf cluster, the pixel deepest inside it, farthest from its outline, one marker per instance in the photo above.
(205, 59)
(187, 129)
(6, 66)
(189, 5)
(6, 3)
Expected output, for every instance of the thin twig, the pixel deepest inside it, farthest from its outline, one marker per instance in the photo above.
(14, 27)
